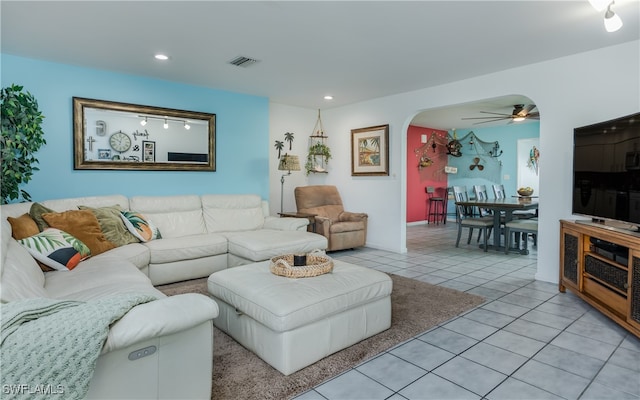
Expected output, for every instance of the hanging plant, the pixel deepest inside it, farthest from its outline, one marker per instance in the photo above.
(22, 137)
(317, 149)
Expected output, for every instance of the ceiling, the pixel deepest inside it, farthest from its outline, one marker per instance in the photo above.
(450, 117)
(352, 50)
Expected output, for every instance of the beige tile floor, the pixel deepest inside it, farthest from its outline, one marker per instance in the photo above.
(527, 341)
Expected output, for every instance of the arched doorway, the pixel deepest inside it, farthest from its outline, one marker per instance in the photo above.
(480, 161)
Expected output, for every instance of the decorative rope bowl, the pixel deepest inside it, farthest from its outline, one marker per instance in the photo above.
(317, 264)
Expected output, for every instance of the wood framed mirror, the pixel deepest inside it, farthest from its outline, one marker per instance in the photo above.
(121, 136)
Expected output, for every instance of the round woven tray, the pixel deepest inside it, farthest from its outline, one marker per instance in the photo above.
(317, 264)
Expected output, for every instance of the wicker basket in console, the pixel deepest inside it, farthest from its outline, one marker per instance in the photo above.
(317, 264)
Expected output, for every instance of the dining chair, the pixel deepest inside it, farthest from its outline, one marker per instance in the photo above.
(484, 224)
(480, 192)
(516, 227)
(457, 192)
(498, 191)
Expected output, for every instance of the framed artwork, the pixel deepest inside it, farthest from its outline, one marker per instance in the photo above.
(148, 151)
(370, 151)
(104, 154)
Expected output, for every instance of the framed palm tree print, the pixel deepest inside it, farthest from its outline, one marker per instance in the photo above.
(370, 151)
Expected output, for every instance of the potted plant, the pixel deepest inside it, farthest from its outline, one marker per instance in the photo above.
(22, 137)
(319, 150)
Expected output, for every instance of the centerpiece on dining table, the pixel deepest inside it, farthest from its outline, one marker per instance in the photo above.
(525, 191)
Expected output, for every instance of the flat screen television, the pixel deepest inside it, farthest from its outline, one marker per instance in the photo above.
(606, 172)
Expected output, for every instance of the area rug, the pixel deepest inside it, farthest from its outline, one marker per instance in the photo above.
(239, 374)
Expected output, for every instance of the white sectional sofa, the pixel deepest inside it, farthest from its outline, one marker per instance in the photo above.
(162, 348)
(201, 234)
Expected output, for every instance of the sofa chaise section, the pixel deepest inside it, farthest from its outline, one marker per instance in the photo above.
(251, 233)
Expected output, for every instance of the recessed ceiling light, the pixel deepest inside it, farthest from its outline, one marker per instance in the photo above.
(328, 97)
(162, 57)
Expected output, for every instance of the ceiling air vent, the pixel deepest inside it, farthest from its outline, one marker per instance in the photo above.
(242, 61)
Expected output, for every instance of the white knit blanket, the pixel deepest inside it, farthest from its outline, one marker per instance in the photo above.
(49, 348)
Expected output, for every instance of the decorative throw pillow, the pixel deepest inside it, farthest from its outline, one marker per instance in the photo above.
(140, 226)
(112, 225)
(23, 226)
(83, 225)
(56, 249)
(36, 212)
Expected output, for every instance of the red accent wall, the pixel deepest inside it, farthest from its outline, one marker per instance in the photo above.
(419, 178)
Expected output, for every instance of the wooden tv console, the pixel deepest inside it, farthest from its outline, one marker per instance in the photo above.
(602, 266)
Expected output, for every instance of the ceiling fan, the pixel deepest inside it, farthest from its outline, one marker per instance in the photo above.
(520, 113)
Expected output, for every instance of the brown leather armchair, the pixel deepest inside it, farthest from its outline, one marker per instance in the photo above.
(343, 229)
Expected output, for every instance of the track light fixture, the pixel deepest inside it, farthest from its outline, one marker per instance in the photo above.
(612, 21)
(166, 120)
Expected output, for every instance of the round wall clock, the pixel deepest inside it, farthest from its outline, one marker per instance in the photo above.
(120, 141)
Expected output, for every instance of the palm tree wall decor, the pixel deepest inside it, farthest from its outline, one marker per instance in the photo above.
(288, 137)
(279, 146)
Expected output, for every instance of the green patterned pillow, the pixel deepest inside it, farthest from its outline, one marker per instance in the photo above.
(56, 249)
(140, 226)
(112, 225)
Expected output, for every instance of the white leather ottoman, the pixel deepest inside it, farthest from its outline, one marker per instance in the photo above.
(292, 323)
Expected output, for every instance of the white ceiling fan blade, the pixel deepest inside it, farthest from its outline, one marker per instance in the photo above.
(491, 120)
(495, 113)
(496, 118)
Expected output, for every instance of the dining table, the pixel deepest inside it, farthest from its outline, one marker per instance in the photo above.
(501, 208)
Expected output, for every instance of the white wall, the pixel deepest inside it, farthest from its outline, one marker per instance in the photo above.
(569, 92)
(299, 121)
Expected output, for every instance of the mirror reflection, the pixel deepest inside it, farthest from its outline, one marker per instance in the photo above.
(110, 135)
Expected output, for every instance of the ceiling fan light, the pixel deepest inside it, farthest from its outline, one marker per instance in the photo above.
(599, 5)
(612, 21)
(518, 119)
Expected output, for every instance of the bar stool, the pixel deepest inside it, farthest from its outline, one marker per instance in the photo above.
(436, 207)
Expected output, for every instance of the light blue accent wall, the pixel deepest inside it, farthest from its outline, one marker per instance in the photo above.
(242, 132)
(495, 169)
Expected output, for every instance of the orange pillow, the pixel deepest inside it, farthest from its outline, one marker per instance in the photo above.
(23, 227)
(82, 224)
